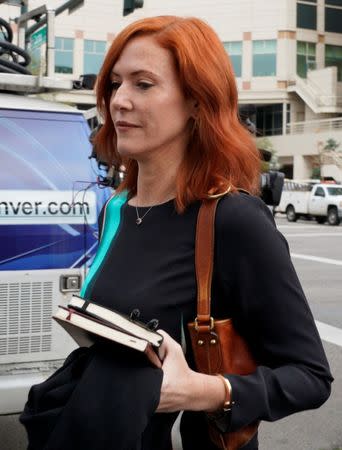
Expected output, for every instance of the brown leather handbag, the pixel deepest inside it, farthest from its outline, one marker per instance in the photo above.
(216, 345)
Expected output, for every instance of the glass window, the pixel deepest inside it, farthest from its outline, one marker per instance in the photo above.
(264, 58)
(288, 113)
(319, 192)
(333, 19)
(64, 55)
(306, 57)
(306, 16)
(234, 50)
(334, 190)
(269, 119)
(93, 55)
(334, 2)
(333, 57)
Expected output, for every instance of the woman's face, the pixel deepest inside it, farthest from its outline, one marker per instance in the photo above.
(147, 106)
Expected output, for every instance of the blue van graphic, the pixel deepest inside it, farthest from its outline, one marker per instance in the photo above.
(45, 152)
(49, 203)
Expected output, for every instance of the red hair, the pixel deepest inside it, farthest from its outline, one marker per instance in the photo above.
(221, 152)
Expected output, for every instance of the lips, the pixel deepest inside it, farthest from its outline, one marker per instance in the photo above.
(122, 124)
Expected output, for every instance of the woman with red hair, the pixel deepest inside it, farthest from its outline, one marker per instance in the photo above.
(168, 99)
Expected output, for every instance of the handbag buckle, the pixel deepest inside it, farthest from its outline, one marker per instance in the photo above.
(211, 326)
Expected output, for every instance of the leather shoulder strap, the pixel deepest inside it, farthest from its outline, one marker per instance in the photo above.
(204, 258)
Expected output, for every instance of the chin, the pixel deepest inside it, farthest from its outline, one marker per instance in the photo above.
(129, 152)
(125, 151)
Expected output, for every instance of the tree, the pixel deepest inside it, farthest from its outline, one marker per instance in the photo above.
(331, 145)
(264, 143)
(328, 154)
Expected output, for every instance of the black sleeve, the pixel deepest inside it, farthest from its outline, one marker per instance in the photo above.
(270, 310)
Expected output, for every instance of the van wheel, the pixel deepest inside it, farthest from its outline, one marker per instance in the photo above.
(291, 214)
(320, 219)
(333, 218)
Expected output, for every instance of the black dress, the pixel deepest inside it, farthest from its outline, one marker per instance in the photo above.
(151, 267)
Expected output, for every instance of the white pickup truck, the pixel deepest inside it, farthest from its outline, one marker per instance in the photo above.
(321, 201)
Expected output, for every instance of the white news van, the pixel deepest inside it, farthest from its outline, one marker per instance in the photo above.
(304, 199)
(48, 235)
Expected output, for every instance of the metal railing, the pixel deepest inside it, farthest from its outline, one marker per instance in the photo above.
(314, 126)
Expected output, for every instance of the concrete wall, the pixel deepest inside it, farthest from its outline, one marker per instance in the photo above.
(297, 109)
(302, 167)
(304, 148)
(244, 20)
(330, 170)
(303, 144)
(339, 92)
(229, 17)
(325, 81)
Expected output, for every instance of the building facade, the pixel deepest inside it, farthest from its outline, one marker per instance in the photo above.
(287, 57)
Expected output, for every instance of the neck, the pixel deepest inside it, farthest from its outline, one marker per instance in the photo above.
(156, 183)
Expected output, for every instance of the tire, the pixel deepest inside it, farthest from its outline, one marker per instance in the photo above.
(333, 218)
(320, 219)
(8, 29)
(291, 214)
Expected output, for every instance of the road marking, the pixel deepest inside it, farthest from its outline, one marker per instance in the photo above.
(335, 262)
(312, 234)
(329, 333)
(304, 227)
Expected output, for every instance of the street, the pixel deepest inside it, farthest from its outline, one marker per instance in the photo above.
(317, 255)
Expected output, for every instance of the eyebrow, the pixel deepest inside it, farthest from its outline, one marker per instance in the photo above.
(138, 72)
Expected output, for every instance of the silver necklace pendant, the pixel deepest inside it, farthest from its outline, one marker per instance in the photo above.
(139, 219)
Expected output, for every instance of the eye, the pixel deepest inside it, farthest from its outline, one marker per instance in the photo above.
(115, 85)
(144, 85)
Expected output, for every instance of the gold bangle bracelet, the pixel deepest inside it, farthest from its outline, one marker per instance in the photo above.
(228, 390)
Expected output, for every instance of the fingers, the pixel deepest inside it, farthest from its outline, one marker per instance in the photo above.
(169, 345)
(163, 349)
(164, 334)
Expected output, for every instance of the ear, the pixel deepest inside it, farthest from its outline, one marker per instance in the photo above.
(193, 107)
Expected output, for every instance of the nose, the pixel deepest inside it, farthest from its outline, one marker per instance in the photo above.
(121, 98)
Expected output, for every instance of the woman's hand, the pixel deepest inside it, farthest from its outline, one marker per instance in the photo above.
(183, 388)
